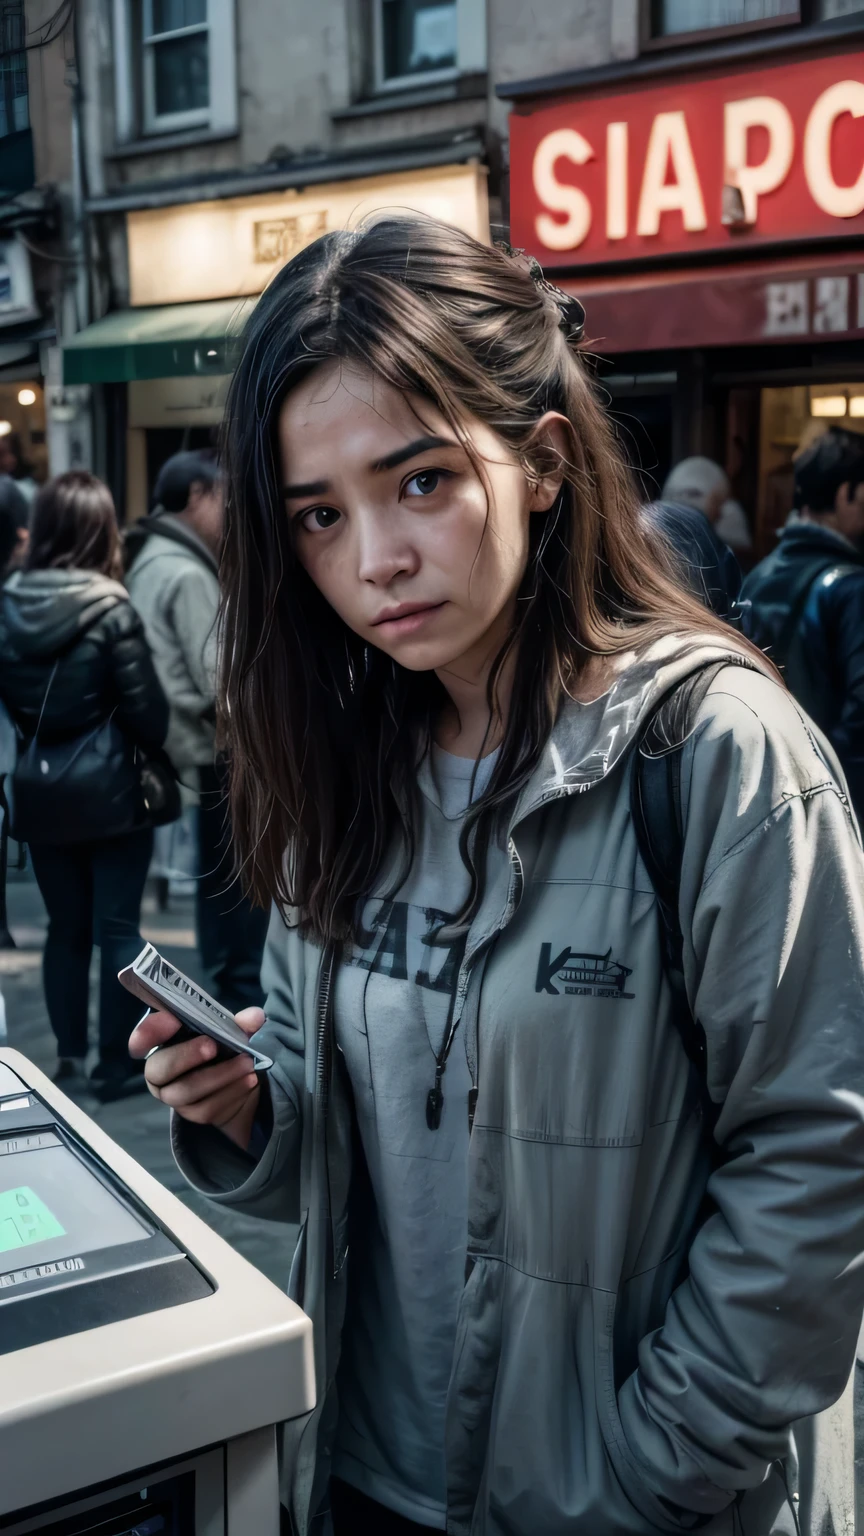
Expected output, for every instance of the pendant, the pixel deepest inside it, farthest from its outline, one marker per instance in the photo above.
(434, 1106)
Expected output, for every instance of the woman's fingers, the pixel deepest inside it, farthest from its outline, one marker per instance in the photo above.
(250, 1020)
(193, 1087)
(154, 1029)
(223, 1107)
(189, 1080)
(174, 1060)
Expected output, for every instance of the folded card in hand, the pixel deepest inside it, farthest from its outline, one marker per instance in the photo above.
(161, 986)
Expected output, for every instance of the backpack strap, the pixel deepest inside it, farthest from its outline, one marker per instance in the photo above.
(799, 597)
(657, 814)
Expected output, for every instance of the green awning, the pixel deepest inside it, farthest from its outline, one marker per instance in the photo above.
(176, 340)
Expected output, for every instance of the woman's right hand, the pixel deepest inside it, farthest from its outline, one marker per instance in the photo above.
(184, 1076)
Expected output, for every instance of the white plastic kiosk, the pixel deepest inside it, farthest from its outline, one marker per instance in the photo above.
(144, 1365)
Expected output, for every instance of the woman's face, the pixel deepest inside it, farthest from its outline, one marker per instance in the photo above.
(394, 525)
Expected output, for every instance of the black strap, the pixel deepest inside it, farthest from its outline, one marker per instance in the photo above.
(799, 596)
(658, 821)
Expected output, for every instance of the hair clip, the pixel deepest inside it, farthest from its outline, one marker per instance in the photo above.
(572, 321)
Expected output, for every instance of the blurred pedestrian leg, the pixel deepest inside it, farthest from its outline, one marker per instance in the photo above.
(92, 892)
(231, 932)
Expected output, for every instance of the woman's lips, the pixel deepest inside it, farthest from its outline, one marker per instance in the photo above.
(407, 623)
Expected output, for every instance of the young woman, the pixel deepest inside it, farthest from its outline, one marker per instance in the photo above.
(553, 1293)
(72, 657)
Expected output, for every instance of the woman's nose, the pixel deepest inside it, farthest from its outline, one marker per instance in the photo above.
(384, 555)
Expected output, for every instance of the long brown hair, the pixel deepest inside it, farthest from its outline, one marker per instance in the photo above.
(74, 527)
(324, 731)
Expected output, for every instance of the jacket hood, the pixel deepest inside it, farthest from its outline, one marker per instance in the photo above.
(592, 735)
(44, 612)
(170, 527)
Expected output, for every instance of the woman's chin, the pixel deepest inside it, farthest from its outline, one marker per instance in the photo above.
(421, 655)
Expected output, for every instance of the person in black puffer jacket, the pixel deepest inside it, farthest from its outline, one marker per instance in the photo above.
(804, 603)
(73, 654)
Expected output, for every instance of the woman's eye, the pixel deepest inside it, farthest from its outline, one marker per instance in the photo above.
(424, 483)
(319, 518)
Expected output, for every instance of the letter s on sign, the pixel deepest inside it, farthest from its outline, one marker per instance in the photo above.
(841, 202)
(563, 144)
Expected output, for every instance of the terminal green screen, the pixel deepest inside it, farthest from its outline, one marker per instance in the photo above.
(25, 1219)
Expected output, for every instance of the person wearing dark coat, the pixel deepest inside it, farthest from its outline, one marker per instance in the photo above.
(72, 656)
(804, 604)
(14, 520)
(706, 564)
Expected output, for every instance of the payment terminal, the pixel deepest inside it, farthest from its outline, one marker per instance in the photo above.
(144, 1365)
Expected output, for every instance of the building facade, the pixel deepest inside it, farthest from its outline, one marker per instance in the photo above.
(691, 168)
(218, 139)
(38, 272)
(704, 197)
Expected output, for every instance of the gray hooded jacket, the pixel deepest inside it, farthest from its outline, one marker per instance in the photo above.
(653, 1312)
(173, 582)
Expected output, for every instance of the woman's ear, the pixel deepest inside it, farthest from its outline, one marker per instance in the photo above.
(547, 454)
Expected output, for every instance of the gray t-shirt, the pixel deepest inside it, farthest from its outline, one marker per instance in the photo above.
(407, 1261)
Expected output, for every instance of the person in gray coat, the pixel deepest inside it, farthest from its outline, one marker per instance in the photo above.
(173, 579)
(567, 1276)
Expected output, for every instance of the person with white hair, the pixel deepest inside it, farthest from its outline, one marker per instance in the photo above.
(700, 483)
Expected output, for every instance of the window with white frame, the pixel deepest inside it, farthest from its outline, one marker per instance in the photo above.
(424, 41)
(175, 42)
(175, 66)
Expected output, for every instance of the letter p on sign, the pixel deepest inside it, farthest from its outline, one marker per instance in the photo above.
(754, 180)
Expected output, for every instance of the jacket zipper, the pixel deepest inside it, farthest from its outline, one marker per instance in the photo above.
(516, 886)
(323, 1068)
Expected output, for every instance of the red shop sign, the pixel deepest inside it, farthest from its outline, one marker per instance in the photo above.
(733, 160)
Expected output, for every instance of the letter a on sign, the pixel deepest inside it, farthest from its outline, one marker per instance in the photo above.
(669, 145)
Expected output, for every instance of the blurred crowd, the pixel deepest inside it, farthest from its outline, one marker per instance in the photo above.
(108, 683)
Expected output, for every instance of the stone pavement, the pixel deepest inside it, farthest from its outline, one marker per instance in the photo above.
(139, 1124)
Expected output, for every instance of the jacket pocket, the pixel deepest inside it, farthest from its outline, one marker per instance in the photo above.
(627, 1471)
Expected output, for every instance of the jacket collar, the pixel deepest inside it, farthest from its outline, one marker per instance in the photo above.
(806, 536)
(168, 526)
(590, 737)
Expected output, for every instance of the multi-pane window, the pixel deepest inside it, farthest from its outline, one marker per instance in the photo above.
(671, 17)
(175, 67)
(418, 37)
(176, 59)
(14, 108)
(427, 40)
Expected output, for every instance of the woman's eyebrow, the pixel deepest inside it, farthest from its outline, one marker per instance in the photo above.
(390, 461)
(421, 445)
(310, 488)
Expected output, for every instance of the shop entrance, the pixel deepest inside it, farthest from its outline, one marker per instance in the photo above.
(23, 449)
(750, 410)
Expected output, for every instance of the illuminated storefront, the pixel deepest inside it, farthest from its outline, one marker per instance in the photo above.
(712, 220)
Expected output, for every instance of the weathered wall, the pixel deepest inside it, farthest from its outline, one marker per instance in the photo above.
(48, 70)
(300, 65)
(547, 37)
